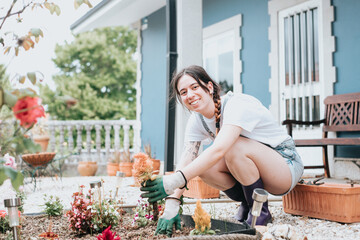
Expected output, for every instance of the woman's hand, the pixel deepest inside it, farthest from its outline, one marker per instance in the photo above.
(162, 187)
(169, 218)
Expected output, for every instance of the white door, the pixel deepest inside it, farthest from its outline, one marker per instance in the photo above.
(301, 81)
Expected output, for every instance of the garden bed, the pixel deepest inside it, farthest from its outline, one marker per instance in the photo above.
(35, 225)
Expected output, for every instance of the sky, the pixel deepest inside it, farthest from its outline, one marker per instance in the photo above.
(56, 30)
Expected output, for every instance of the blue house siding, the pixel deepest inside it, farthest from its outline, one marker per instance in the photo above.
(255, 41)
(153, 83)
(346, 29)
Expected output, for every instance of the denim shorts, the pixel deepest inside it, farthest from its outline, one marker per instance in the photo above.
(288, 151)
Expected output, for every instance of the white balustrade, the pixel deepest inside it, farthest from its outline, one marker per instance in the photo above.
(61, 138)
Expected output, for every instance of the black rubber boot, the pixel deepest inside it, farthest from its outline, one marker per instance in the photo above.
(236, 193)
(265, 216)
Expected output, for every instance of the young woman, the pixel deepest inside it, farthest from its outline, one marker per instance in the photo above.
(250, 150)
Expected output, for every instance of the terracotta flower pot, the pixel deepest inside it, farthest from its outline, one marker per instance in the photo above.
(43, 141)
(200, 190)
(87, 168)
(156, 165)
(335, 202)
(112, 168)
(126, 168)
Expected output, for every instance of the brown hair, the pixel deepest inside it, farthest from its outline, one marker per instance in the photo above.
(202, 78)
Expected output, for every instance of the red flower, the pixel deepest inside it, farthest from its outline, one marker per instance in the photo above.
(107, 234)
(27, 110)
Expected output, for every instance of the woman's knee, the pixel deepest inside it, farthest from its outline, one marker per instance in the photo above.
(237, 152)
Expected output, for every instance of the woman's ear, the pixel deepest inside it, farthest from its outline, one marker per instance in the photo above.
(210, 86)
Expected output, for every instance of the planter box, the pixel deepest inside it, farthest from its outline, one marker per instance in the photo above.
(223, 227)
(200, 190)
(335, 202)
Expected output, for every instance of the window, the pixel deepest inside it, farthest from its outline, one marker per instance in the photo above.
(221, 47)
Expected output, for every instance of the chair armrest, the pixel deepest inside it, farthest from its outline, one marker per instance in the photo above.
(290, 122)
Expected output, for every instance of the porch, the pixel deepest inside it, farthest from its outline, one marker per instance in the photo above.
(91, 140)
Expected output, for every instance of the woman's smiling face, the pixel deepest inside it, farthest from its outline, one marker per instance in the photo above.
(193, 95)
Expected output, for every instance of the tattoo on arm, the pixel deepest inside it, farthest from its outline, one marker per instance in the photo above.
(191, 150)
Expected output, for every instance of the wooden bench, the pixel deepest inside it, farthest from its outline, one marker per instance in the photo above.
(342, 114)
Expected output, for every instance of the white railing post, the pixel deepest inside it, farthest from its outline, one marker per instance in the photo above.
(61, 139)
(107, 141)
(116, 137)
(79, 128)
(70, 138)
(88, 128)
(52, 138)
(98, 128)
(126, 137)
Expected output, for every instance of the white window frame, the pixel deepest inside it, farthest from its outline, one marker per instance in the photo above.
(230, 24)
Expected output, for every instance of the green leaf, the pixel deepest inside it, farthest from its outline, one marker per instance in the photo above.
(17, 179)
(32, 77)
(35, 31)
(57, 10)
(47, 5)
(9, 99)
(22, 79)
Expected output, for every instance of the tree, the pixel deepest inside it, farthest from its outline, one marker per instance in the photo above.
(98, 72)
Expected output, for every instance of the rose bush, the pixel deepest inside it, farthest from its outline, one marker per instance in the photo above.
(26, 108)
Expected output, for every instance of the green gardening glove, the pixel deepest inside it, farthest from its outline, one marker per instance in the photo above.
(162, 186)
(165, 226)
(155, 190)
(169, 217)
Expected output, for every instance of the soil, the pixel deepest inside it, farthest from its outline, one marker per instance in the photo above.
(34, 225)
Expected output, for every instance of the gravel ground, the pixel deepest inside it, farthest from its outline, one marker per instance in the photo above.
(284, 226)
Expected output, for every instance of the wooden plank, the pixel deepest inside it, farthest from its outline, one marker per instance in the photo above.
(342, 98)
(327, 141)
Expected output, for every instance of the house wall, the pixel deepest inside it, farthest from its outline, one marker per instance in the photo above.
(153, 83)
(346, 29)
(346, 58)
(254, 33)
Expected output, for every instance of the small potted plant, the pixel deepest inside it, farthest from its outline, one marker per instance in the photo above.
(126, 163)
(113, 163)
(156, 162)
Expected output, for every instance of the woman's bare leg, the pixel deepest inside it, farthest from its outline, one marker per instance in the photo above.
(248, 160)
(219, 176)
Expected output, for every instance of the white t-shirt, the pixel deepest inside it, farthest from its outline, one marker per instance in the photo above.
(244, 111)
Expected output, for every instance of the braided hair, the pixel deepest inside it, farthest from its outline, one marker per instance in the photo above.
(202, 78)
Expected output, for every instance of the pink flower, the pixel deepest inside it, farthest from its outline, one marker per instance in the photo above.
(10, 161)
(107, 234)
(2, 214)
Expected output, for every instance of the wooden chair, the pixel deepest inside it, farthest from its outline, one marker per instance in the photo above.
(342, 114)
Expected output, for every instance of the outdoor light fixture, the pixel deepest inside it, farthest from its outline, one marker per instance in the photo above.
(119, 178)
(96, 185)
(260, 196)
(12, 205)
